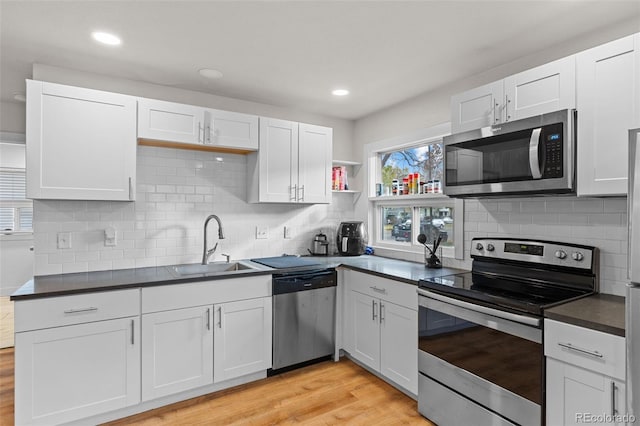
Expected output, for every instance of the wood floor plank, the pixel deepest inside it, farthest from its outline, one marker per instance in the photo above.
(327, 393)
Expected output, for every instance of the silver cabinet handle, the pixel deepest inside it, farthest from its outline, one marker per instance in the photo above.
(208, 319)
(614, 408)
(583, 351)
(381, 312)
(373, 310)
(496, 118)
(220, 322)
(132, 331)
(508, 101)
(208, 134)
(534, 161)
(200, 132)
(132, 191)
(379, 290)
(77, 311)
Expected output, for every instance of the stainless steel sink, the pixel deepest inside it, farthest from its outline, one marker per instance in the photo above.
(211, 268)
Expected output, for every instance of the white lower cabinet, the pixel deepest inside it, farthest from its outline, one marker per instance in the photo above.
(381, 327)
(577, 395)
(585, 374)
(242, 338)
(68, 373)
(177, 351)
(204, 333)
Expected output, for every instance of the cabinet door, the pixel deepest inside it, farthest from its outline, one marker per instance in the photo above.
(177, 351)
(608, 85)
(278, 159)
(171, 122)
(242, 338)
(68, 373)
(314, 164)
(81, 143)
(476, 108)
(231, 130)
(399, 345)
(547, 88)
(365, 323)
(574, 393)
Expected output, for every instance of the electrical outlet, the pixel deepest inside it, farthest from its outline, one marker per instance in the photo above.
(110, 237)
(262, 232)
(64, 240)
(288, 232)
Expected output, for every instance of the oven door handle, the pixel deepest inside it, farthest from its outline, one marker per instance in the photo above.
(522, 319)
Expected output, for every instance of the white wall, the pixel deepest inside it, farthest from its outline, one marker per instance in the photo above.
(342, 129)
(12, 117)
(598, 222)
(176, 191)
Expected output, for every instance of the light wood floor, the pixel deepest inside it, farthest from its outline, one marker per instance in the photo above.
(6, 322)
(323, 394)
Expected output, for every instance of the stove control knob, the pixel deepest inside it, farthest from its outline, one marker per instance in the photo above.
(577, 256)
(560, 254)
(479, 246)
(490, 247)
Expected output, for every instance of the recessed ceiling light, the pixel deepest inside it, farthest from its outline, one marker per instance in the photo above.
(219, 159)
(19, 96)
(106, 38)
(210, 73)
(340, 92)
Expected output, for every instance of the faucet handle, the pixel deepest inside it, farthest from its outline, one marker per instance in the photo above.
(228, 256)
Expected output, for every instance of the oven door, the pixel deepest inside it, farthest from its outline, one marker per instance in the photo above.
(529, 155)
(478, 365)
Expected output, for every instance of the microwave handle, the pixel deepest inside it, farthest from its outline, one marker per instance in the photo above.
(534, 161)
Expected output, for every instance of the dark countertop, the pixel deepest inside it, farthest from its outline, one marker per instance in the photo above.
(601, 312)
(86, 282)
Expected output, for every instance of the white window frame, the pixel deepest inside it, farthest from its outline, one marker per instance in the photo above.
(372, 151)
(13, 158)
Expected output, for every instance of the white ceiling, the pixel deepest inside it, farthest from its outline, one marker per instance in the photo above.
(293, 53)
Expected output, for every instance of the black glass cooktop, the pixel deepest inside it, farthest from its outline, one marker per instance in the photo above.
(516, 294)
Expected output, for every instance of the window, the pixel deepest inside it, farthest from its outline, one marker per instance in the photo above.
(16, 212)
(408, 200)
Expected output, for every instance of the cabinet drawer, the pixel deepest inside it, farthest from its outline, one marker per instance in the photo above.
(594, 350)
(76, 309)
(397, 292)
(178, 296)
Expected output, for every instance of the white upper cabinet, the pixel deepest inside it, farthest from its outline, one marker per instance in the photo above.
(293, 164)
(540, 90)
(314, 163)
(477, 108)
(231, 130)
(169, 121)
(547, 88)
(608, 89)
(178, 123)
(81, 143)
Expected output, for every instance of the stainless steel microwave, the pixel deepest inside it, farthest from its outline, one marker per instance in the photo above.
(532, 156)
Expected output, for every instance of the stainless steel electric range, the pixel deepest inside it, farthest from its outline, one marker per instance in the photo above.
(480, 353)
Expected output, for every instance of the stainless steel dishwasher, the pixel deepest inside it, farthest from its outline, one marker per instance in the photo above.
(304, 317)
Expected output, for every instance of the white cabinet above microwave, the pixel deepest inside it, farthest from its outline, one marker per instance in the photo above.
(540, 90)
(170, 124)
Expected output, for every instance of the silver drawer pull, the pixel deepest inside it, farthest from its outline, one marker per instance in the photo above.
(584, 351)
(76, 311)
(379, 290)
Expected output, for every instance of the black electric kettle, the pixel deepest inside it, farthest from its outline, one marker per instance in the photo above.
(320, 245)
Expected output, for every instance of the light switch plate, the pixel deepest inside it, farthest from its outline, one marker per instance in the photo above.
(64, 240)
(288, 232)
(262, 232)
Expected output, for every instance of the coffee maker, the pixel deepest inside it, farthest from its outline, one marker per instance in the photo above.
(351, 238)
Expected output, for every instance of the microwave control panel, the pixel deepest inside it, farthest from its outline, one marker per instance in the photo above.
(553, 151)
